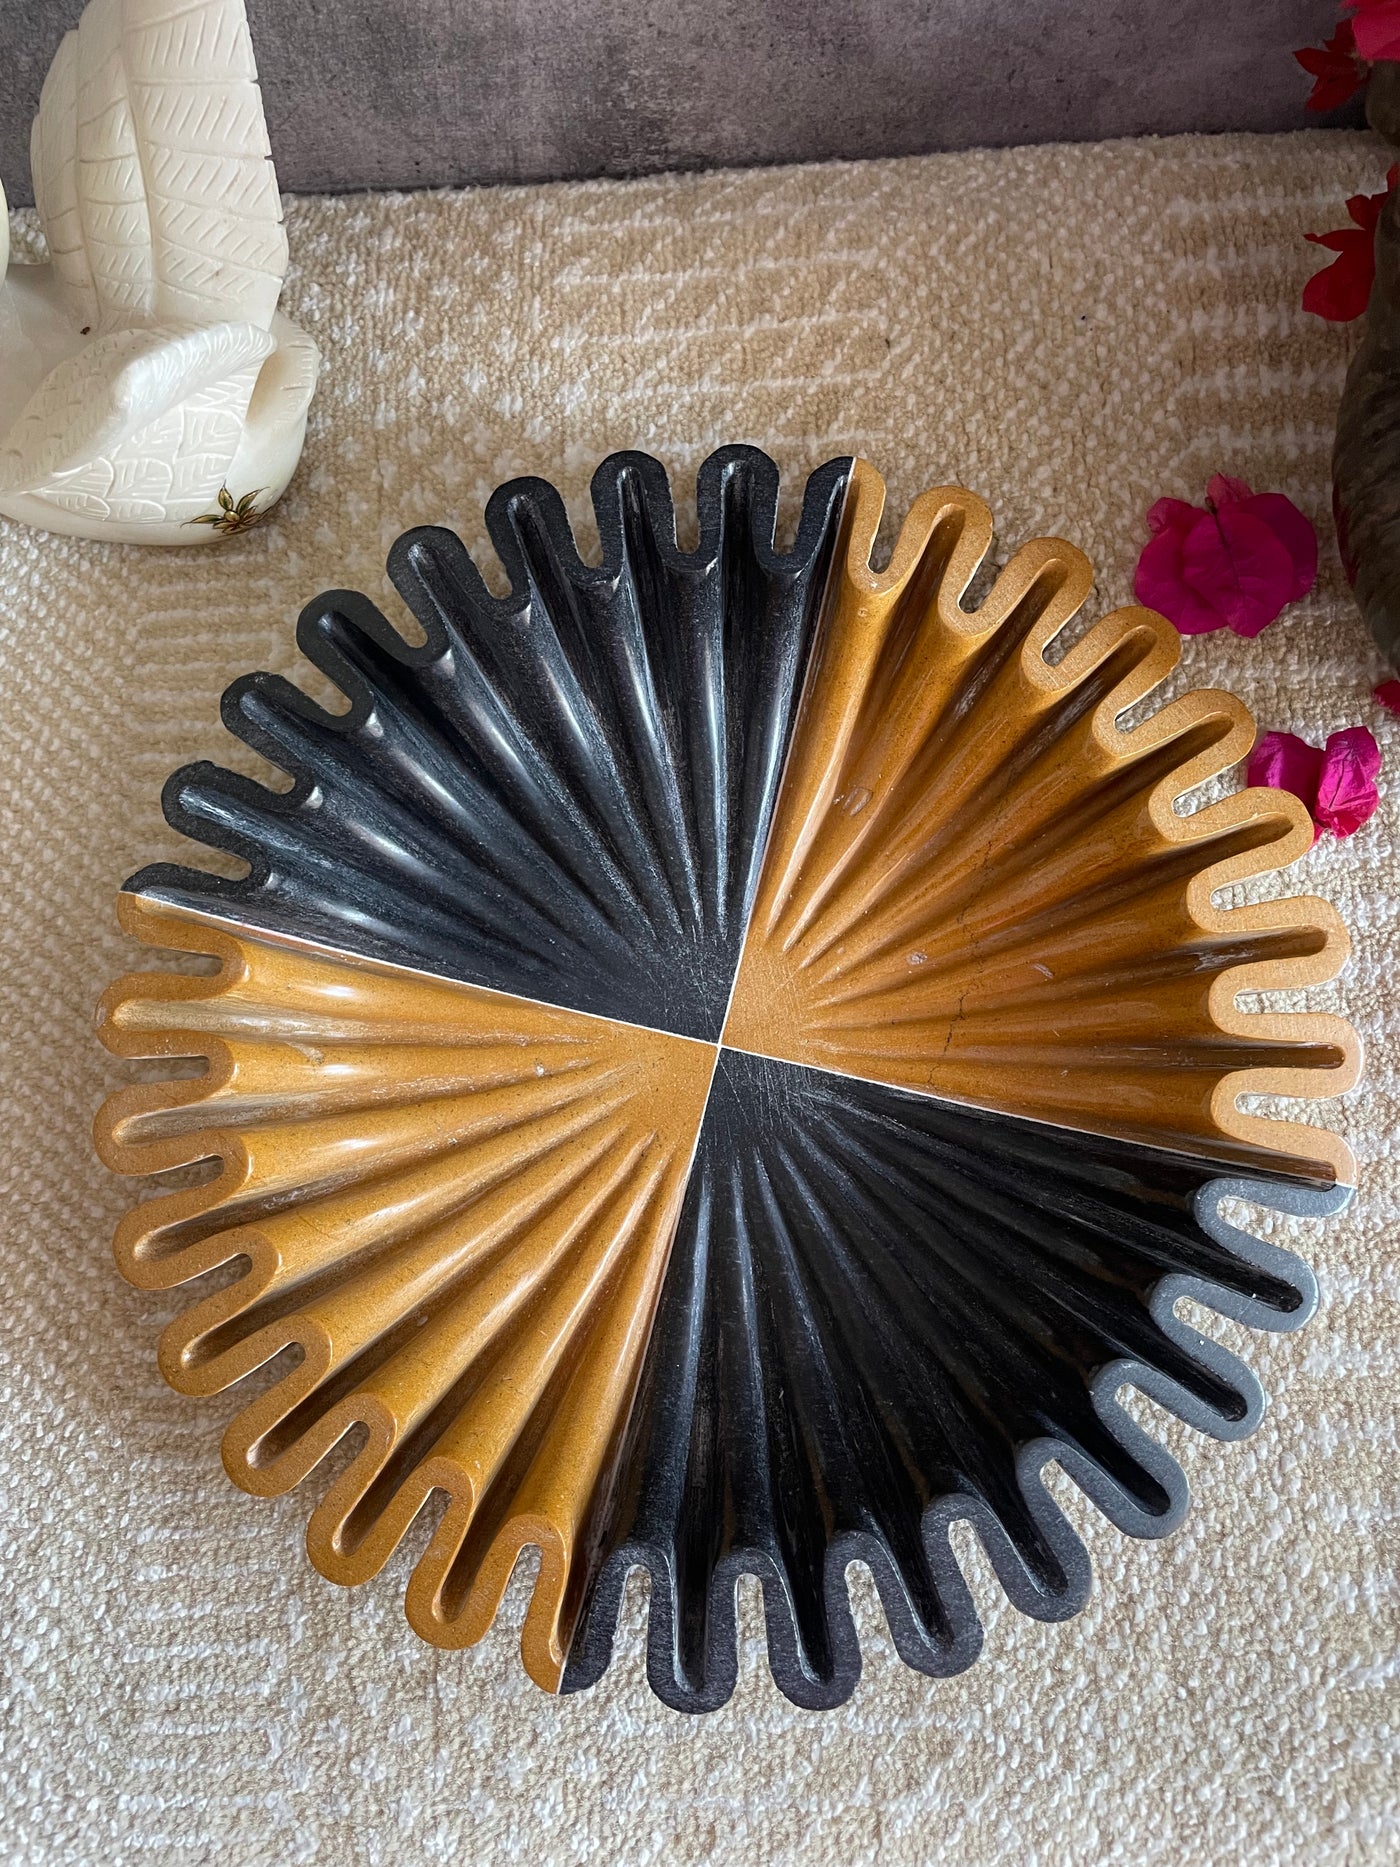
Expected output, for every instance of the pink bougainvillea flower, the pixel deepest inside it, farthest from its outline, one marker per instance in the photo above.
(1388, 693)
(1284, 762)
(1337, 782)
(1233, 563)
(1342, 290)
(1346, 789)
(1375, 25)
(1336, 71)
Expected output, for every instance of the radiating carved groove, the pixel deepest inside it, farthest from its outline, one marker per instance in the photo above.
(469, 1205)
(483, 1206)
(1110, 940)
(454, 1206)
(883, 1312)
(563, 793)
(888, 849)
(971, 864)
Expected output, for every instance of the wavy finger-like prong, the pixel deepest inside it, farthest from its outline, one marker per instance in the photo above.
(724, 1060)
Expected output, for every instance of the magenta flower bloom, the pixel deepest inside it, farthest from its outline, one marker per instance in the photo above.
(1337, 781)
(1388, 693)
(1234, 563)
(1375, 26)
(1336, 70)
(1341, 290)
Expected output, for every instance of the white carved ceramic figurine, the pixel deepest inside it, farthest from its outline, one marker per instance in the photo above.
(150, 390)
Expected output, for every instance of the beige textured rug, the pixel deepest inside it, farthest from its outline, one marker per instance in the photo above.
(1071, 332)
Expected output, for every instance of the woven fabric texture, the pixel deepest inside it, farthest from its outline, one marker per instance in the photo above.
(1072, 332)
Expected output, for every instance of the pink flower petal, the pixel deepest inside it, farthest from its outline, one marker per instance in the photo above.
(1346, 788)
(1295, 531)
(1236, 564)
(1223, 490)
(1284, 762)
(1375, 25)
(1337, 783)
(1160, 583)
(1166, 513)
(1336, 70)
(1388, 693)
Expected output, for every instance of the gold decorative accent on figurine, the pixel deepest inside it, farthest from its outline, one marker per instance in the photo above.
(232, 516)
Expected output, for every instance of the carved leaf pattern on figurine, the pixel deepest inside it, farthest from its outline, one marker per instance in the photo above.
(105, 401)
(151, 170)
(163, 470)
(53, 161)
(158, 201)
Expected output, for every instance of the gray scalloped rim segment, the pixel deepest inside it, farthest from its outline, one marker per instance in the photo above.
(851, 1354)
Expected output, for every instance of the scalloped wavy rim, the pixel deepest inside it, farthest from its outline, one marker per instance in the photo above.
(892, 874)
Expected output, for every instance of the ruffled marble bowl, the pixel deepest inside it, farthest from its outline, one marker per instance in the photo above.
(723, 1061)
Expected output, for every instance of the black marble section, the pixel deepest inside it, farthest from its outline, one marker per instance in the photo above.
(883, 1313)
(564, 792)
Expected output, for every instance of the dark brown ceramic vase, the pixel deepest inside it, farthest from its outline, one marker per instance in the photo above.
(1366, 457)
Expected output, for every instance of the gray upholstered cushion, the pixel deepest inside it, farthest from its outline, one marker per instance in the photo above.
(416, 93)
